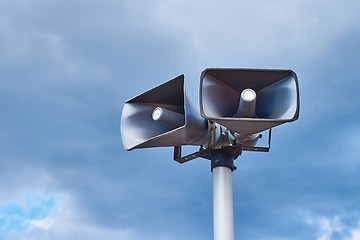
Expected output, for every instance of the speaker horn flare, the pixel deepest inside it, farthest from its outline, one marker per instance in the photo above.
(249, 101)
(162, 116)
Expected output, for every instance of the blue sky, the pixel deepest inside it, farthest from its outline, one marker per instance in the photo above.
(67, 67)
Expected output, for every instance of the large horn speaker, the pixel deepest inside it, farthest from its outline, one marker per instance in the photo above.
(249, 101)
(162, 116)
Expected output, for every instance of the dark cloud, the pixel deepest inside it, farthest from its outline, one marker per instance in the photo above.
(67, 68)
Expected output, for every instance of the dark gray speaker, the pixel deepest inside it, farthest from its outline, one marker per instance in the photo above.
(162, 116)
(248, 101)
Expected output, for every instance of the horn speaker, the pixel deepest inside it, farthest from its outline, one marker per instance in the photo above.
(162, 116)
(248, 101)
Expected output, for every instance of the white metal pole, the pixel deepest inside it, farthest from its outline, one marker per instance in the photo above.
(223, 203)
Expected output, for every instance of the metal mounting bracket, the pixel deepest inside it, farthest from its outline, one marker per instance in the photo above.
(206, 153)
(203, 153)
(259, 149)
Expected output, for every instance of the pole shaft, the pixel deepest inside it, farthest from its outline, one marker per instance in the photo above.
(223, 203)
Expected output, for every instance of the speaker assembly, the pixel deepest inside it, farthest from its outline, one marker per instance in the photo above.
(236, 105)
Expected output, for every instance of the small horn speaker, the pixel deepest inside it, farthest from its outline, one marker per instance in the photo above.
(249, 101)
(162, 116)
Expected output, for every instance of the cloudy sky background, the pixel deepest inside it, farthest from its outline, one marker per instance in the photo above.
(67, 67)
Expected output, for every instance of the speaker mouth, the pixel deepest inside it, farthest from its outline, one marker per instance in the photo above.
(248, 95)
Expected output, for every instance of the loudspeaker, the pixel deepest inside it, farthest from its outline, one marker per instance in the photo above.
(248, 101)
(162, 116)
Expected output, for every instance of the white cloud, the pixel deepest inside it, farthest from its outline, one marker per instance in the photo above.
(42, 224)
(248, 28)
(355, 234)
(328, 226)
(66, 222)
(22, 213)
